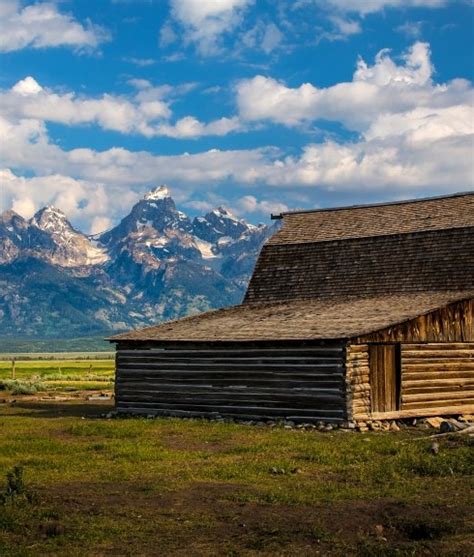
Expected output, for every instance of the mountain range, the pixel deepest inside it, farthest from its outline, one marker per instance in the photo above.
(156, 264)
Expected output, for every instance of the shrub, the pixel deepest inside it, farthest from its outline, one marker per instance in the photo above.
(17, 387)
(15, 487)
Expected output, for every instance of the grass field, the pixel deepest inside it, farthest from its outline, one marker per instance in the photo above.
(173, 487)
(59, 375)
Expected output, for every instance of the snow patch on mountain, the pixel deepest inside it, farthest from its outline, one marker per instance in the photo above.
(206, 249)
(161, 192)
(156, 264)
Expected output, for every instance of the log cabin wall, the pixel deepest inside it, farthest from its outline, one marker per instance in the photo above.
(300, 382)
(358, 381)
(437, 377)
(437, 365)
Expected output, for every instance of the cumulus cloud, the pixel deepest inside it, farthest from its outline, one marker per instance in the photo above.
(364, 7)
(191, 128)
(205, 21)
(345, 16)
(377, 90)
(140, 62)
(413, 136)
(412, 131)
(266, 37)
(250, 204)
(146, 112)
(41, 25)
(85, 202)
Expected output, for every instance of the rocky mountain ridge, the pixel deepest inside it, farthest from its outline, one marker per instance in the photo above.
(156, 264)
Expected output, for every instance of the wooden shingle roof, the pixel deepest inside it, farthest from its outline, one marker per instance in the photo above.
(404, 217)
(299, 320)
(423, 261)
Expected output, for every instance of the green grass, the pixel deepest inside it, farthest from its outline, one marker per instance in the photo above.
(32, 376)
(175, 487)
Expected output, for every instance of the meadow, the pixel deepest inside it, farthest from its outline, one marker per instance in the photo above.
(73, 482)
(51, 372)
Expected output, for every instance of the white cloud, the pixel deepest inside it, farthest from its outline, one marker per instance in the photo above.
(82, 201)
(190, 127)
(250, 204)
(266, 37)
(344, 27)
(100, 224)
(383, 88)
(346, 15)
(272, 38)
(147, 112)
(27, 99)
(27, 87)
(167, 35)
(411, 29)
(413, 133)
(414, 136)
(205, 21)
(364, 7)
(41, 25)
(140, 62)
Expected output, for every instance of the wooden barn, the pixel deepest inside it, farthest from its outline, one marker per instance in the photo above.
(352, 313)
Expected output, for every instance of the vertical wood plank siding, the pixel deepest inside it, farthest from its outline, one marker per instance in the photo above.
(437, 375)
(453, 323)
(299, 383)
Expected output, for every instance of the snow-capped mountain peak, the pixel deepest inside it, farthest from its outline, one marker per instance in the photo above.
(52, 220)
(155, 264)
(69, 247)
(160, 192)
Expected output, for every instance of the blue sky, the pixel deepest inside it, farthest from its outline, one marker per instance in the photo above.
(258, 105)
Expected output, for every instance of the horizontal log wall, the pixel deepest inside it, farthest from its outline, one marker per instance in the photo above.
(437, 376)
(358, 381)
(298, 383)
(437, 379)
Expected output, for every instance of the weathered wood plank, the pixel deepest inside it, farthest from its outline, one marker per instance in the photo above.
(269, 352)
(444, 395)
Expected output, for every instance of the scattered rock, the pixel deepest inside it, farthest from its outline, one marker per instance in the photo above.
(379, 532)
(434, 422)
(277, 471)
(394, 426)
(446, 427)
(434, 449)
(469, 418)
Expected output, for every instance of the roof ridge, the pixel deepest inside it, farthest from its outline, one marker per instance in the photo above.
(274, 239)
(378, 204)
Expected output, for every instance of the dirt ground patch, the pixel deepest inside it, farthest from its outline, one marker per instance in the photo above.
(209, 519)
